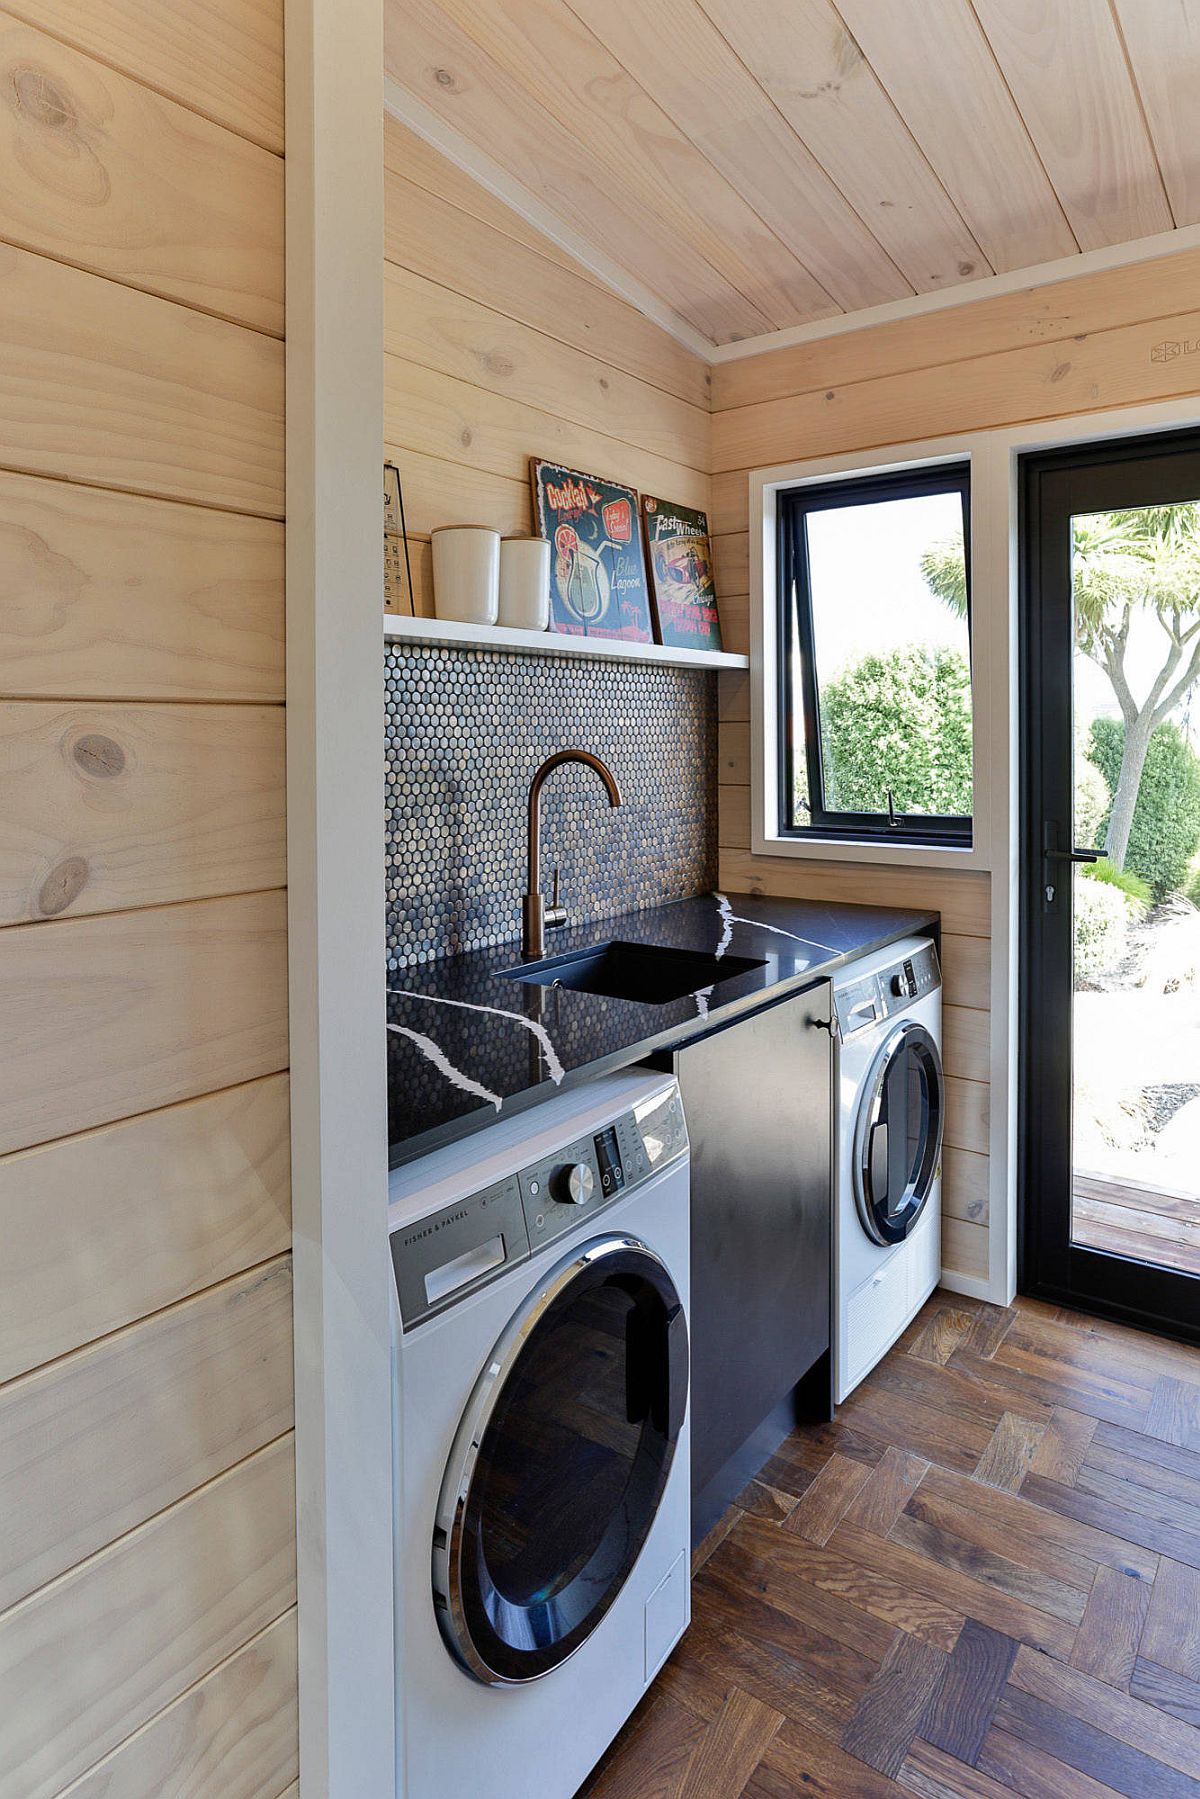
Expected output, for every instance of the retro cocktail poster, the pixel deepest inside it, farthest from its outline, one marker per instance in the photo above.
(597, 570)
(681, 574)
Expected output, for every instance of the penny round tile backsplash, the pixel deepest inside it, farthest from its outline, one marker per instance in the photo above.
(466, 729)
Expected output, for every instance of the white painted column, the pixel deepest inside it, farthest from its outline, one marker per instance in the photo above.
(334, 67)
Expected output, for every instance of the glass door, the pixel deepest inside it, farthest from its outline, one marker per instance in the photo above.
(1110, 1020)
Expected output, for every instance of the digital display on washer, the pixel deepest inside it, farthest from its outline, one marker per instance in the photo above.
(608, 1158)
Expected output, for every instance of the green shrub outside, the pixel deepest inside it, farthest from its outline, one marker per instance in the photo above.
(1093, 801)
(901, 720)
(1103, 915)
(1130, 884)
(1166, 819)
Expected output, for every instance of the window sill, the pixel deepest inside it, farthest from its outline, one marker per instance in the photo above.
(969, 857)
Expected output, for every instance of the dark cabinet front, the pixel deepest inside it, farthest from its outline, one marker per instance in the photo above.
(758, 1100)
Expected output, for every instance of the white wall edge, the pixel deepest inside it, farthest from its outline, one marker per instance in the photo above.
(969, 293)
(412, 111)
(969, 1285)
(334, 176)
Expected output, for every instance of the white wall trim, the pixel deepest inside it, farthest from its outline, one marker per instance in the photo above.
(412, 111)
(334, 174)
(967, 293)
(995, 628)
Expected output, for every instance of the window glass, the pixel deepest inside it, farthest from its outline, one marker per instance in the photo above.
(876, 615)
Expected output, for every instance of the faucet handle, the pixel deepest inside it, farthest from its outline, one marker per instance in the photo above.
(555, 913)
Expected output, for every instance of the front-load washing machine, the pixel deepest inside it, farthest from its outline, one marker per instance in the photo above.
(541, 1422)
(891, 1105)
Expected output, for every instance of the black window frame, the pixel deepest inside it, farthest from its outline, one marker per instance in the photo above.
(794, 622)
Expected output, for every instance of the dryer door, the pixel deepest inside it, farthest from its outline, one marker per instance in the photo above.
(560, 1462)
(898, 1133)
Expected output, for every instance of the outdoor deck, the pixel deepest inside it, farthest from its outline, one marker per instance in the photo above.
(1129, 1219)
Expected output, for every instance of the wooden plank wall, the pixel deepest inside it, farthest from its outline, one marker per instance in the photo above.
(1082, 345)
(499, 347)
(147, 1535)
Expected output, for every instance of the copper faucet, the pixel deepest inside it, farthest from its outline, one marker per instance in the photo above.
(536, 916)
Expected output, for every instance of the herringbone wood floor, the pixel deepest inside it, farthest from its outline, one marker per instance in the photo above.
(983, 1579)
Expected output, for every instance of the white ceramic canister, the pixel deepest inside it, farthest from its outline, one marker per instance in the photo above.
(525, 583)
(466, 573)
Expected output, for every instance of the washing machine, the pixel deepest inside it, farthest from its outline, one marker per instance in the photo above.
(891, 1107)
(541, 1421)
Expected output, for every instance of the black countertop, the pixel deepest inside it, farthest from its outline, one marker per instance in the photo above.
(466, 1046)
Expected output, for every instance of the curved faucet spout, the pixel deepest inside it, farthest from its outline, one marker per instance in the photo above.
(535, 915)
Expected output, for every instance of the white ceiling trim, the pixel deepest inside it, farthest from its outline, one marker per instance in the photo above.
(967, 293)
(421, 118)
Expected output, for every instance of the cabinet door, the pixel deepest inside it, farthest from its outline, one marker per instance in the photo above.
(758, 1100)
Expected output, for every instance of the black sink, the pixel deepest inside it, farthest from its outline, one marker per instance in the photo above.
(644, 972)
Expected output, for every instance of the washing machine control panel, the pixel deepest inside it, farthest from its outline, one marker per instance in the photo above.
(888, 990)
(443, 1258)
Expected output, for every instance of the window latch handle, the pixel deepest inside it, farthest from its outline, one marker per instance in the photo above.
(893, 821)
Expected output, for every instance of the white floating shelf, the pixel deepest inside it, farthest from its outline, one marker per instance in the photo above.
(445, 632)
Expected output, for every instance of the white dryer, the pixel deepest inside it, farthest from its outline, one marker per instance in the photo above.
(891, 1107)
(541, 1393)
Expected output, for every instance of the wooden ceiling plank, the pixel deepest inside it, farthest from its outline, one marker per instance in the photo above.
(1163, 41)
(632, 148)
(426, 53)
(747, 139)
(1066, 68)
(812, 69)
(485, 263)
(939, 70)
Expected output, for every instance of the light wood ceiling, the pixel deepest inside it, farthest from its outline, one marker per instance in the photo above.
(759, 164)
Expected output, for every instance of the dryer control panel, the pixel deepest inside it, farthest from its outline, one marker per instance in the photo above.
(877, 996)
(443, 1258)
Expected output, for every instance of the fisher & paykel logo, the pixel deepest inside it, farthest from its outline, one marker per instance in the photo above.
(1171, 347)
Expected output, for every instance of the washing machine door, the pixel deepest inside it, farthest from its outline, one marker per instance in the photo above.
(898, 1133)
(560, 1462)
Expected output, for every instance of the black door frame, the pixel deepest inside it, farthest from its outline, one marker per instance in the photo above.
(1153, 468)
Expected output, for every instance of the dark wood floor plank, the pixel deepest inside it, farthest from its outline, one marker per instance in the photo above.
(714, 1538)
(1025, 1769)
(822, 1506)
(1172, 1634)
(1150, 1498)
(1021, 1512)
(851, 1599)
(1089, 1749)
(886, 1718)
(959, 1713)
(1019, 1537)
(1101, 1514)
(710, 1663)
(1142, 1727)
(1024, 1381)
(728, 1605)
(992, 1324)
(932, 1774)
(730, 1749)
(803, 1454)
(1174, 1415)
(801, 1762)
(1106, 1643)
(1150, 1449)
(1142, 1473)
(918, 1573)
(939, 1437)
(1171, 1692)
(943, 1331)
(1064, 1445)
(766, 1502)
(1028, 1585)
(1005, 1462)
(650, 1757)
(883, 1496)
(955, 1389)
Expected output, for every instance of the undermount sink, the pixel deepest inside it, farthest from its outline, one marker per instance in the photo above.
(644, 972)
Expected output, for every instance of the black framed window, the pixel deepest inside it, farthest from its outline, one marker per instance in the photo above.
(875, 713)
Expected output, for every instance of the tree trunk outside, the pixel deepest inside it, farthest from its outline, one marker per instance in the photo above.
(1133, 761)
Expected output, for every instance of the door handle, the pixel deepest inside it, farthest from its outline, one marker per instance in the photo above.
(1073, 855)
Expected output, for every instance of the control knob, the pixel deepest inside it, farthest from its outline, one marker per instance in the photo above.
(574, 1184)
(904, 986)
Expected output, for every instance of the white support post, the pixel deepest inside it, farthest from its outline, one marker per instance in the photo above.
(334, 67)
